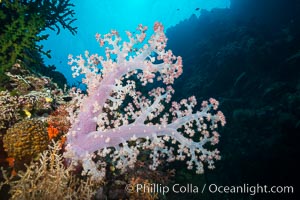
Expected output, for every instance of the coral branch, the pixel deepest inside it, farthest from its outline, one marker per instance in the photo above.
(114, 111)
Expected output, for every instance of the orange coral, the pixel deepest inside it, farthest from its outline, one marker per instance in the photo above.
(11, 161)
(52, 132)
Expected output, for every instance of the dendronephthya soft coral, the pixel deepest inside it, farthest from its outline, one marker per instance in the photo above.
(116, 108)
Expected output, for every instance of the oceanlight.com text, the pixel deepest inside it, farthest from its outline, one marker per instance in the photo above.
(211, 188)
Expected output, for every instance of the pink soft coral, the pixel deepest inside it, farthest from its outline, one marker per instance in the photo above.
(114, 111)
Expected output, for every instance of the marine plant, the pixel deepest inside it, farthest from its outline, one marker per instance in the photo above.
(22, 23)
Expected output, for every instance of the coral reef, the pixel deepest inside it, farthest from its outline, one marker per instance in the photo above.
(58, 119)
(25, 139)
(116, 182)
(246, 56)
(9, 110)
(115, 111)
(26, 102)
(27, 94)
(49, 179)
(142, 175)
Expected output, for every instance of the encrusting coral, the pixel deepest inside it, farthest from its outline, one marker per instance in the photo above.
(9, 110)
(27, 95)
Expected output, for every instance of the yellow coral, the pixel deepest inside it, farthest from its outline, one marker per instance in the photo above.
(26, 139)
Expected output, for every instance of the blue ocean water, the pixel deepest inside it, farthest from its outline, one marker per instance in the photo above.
(101, 16)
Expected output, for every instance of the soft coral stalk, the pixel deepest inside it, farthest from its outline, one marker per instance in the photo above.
(114, 111)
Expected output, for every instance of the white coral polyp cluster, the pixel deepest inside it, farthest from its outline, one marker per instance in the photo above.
(114, 111)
